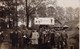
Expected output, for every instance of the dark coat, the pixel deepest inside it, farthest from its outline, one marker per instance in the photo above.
(25, 39)
(14, 37)
(52, 38)
(1, 37)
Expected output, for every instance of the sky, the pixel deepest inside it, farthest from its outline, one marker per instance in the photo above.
(68, 3)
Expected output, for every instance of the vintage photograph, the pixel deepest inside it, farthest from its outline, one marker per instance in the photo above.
(39, 24)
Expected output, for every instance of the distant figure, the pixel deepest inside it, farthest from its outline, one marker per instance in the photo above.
(65, 37)
(61, 41)
(14, 38)
(58, 40)
(20, 39)
(1, 38)
(45, 39)
(25, 40)
(44, 34)
(52, 41)
(40, 39)
(34, 38)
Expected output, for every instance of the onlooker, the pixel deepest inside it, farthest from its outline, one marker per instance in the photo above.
(52, 41)
(65, 37)
(25, 40)
(45, 39)
(58, 39)
(34, 38)
(1, 38)
(61, 41)
(14, 39)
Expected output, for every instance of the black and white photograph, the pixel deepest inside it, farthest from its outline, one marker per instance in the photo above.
(39, 24)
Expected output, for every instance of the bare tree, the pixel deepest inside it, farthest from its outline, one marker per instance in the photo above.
(9, 11)
(70, 13)
(42, 10)
(31, 7)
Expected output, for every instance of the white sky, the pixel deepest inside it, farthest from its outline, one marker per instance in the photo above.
(68, 3)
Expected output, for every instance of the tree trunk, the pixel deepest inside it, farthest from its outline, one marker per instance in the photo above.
(27, 14)
(27, 21)
(16, 15)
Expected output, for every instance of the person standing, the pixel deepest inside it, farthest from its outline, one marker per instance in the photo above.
(11, 38)
(34, 38)
(1, 38)
(61, 41)
(20, 39)
(25, 40)
(45, 39)
(58, 39)
(52, 40)
(40, 39)
(14, 39)
(65, 37)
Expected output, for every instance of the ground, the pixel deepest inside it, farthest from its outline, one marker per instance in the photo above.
(6, 45)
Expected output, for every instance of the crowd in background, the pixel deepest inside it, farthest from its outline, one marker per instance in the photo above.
(38, 39)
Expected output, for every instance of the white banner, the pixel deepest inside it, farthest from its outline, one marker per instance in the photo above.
(44, 21)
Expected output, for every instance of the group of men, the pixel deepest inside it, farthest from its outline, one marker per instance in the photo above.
(39, 39)
(49, 38)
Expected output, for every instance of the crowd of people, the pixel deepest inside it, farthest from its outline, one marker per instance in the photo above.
(38, 39)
